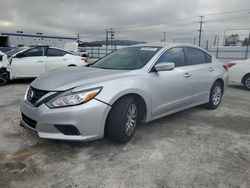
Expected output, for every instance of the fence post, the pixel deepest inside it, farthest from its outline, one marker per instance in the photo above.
(246, 51)
(92, 54)
(98, 51)
(207, 45)
(217, 50)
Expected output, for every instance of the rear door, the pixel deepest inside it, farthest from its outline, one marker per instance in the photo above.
(200, 70)
(29, 63)
(171, 90)
(56, 58)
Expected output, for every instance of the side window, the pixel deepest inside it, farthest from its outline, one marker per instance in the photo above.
(52, 52)
(195, 56)
(174, 55)
(34, 52)
(208, 57)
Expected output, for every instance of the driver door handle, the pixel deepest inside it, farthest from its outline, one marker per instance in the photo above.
(187, 75)
(40, 61)
(211, 69)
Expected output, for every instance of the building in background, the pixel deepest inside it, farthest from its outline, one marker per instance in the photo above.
(21, 39)
(233, 40)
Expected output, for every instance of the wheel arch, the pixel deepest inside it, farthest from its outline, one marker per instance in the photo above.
(142, 105)
(221, 81)
(244, 77)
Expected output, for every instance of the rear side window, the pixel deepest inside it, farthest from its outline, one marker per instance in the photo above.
(174, 55)
(208, 57)
(52, 52)
(195, 56)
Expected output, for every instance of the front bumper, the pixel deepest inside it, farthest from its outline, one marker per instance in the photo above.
(88, 119)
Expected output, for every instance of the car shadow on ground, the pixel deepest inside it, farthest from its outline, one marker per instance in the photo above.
(21, 81)
(237, 86)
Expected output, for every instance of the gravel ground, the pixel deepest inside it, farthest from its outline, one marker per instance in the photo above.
(193, 148)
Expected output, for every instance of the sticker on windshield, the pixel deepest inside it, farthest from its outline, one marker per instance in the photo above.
(149, 49)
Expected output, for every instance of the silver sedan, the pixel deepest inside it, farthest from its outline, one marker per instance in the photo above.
(134, 84)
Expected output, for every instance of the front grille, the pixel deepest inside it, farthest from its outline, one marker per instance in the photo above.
(34, 95)
(30, 122)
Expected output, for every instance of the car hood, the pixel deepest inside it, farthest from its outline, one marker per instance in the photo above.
(70, 77)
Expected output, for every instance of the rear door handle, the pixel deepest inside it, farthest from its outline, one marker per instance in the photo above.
(211, 69)
(187, 75)
(40, 61)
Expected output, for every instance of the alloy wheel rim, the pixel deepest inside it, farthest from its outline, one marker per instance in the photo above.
(216, 97)
(247, 82)
(131, 119)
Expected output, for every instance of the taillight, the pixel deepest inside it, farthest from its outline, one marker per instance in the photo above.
(230, 65)
(225, 67)
(84, 59)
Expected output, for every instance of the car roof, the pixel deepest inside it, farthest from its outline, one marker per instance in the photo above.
(165, 44)
(171, 45)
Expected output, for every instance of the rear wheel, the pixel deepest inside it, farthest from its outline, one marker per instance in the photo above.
(122, 120)
(215, 96)
(4, 77)
(246, 82)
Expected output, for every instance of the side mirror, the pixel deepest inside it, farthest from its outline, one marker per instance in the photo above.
(164, 66)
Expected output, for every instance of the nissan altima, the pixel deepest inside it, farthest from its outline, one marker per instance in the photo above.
(135, 84)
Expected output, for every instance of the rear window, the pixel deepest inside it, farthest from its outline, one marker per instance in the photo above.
(52, 52)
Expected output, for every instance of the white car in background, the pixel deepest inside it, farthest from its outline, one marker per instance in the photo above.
(239, 72)
(31, 62)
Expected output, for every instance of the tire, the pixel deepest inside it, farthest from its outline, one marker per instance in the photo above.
(246, 82)
(122, 120)
(4, 77)
(215, 96)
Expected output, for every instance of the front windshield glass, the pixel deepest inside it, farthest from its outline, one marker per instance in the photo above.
(127, 58)
(14, 51)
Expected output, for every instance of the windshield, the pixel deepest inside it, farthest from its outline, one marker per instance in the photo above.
(14, 51)
(127, 58)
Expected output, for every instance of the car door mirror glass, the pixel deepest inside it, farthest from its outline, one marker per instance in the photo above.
(164, 66)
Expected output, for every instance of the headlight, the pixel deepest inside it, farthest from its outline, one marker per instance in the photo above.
(71, 98)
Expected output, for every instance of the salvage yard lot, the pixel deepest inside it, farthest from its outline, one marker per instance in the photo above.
(193, 148)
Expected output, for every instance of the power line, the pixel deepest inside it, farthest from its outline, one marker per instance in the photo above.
(131, 28)
(227, 12)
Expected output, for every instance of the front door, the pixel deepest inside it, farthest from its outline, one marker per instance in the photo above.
(171, 90)
(29, 63)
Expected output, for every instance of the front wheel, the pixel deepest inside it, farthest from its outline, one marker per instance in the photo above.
(4, 77)
(246, 82)
(122, 120)
(215, 96)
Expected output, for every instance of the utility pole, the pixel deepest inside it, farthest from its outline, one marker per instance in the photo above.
(112, 36)
(200, 30)
(107, 40)
(164, 37)
(224, 38)
(215, 39)
(78, 38)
